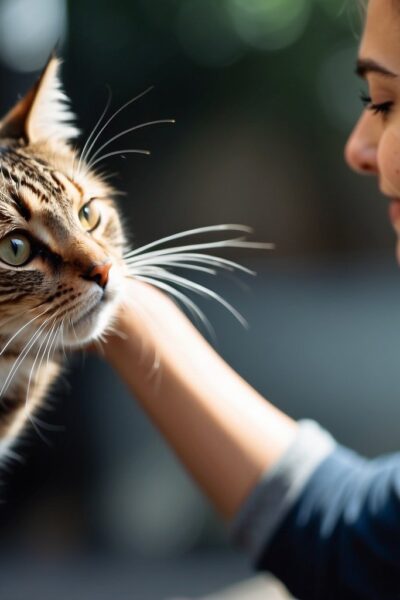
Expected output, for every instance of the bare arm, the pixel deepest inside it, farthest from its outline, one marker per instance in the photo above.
(224, 432)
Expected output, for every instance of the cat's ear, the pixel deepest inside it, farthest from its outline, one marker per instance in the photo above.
(43, 114)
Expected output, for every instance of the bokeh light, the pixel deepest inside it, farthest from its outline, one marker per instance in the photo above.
(270, 24)
(346, 13)
(29, 30)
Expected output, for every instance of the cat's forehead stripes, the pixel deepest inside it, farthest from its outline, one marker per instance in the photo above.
(47, 199)
(17, 202)
(46, 184)
(51, 217)
(67, 185)
(52, 230)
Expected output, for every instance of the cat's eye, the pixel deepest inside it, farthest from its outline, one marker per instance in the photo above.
(15, 249)
(89, 216)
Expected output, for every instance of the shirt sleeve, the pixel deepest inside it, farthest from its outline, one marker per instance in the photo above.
(326, 521)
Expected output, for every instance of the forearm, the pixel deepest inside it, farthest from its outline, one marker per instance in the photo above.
(221, 428)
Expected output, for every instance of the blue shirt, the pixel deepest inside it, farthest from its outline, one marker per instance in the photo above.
(327, 521)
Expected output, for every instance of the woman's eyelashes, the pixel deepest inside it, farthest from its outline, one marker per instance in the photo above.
(382, 108)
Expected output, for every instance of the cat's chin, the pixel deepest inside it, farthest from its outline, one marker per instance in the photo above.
(90, 325)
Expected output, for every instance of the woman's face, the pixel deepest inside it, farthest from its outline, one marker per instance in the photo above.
(374, 144)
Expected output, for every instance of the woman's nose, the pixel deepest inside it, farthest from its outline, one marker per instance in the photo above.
(361, 148)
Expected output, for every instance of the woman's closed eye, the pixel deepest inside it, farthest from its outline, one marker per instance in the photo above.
(382, 108)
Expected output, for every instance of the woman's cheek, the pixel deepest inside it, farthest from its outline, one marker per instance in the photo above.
(388, 160)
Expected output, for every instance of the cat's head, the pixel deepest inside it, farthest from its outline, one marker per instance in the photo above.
(61, 239)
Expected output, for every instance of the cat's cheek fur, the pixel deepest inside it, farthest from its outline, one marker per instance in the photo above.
(91, 327)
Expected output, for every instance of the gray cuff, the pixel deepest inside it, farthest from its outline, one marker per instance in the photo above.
(279, 487)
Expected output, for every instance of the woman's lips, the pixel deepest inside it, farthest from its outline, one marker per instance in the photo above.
(394, 210)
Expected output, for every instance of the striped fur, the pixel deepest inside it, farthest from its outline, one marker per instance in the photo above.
(50, 301)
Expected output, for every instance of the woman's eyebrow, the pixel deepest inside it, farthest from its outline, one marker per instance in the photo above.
(367, 65)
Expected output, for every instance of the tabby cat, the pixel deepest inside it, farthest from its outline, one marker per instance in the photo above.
(63, 257)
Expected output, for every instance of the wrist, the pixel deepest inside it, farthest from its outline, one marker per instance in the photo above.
(147, 322)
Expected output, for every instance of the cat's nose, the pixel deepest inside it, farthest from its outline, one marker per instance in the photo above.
(99, 274)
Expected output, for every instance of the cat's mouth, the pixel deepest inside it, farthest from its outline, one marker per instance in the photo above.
(87, 314)
(91, 321)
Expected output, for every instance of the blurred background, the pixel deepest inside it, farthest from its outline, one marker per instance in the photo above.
(264, 95)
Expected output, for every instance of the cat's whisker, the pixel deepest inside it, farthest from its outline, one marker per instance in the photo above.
(25, 350)
(106, 176)
(117, 332)
(62, 338)
(12, 318)
(52, 343)
(189, 232)
(21, 329)
(125, 132)
(119, 153)
(191, 306)
(90, 136)
(146, 264)
(34, 364)
(71, 324)
(99, 345)
(188, 258)
(60, 334)
(103, 337)
(112, 117)
(197, 288)
(176, 264)
(34, 420)
(181, 258)
(185, 261)
(46, 425)
(46, 346)
(239, 242)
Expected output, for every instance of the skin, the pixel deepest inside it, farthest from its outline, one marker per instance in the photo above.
(224, 432)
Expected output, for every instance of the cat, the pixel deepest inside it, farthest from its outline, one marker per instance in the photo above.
(63, 251)
(61, 248)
